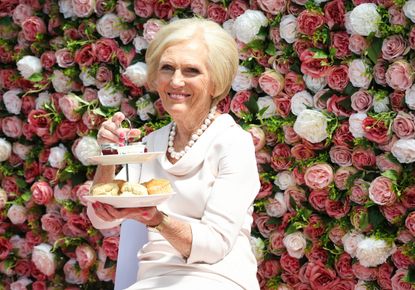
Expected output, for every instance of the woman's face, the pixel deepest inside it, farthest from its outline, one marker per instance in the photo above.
(183, 81)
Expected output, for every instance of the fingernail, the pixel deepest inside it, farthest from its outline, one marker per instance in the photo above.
(145, 214)
(122, 135)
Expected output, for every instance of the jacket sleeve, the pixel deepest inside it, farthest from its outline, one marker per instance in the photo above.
(230, 203)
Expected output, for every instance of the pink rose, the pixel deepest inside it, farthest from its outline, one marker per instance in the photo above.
(66, 130)
(402, 259)
(296, 195)
(411, 37)
(103, 76)
(379, 72)
(336, 234)
(410, 222)
(32, 27)
(335, 105)
(363, 158)
(337, 77)
(143, 9)
(199, 7)
(258, 136)
(72, 273)
(28, 104)
(269, 268)
(69, 104)
(384, 276)
(362, 101)
(272, 7)
(81, 190)
(302, 152)
(105, 49)
(282, 105)
(309, 21)
(289, 264)
(364, 273)
(408, 197)
(17, 214)
(180, 4)
(151, 27)
(393, 46)
(317, 199)
(397, 16)
(12, 127)
(79, 225)
(290, 137)
(123, 11)
(236, 8)
(64, 58)
(398, 280)
(343, 266)
(317, 254)
(334, 12)
(52, 223)
(5, 248)
(127, 36)
(48, 59)
(295, 244)
(315, 227)
(399, 75)
(359, 192)
(281, 158)
(42, 193)
(271, 82)
(275, 245)
(261, 222)
(341, 155)
(21, 12)
(237, 103)
(340, 41)
(319, 276)
(381, 191)
(85, 256)
(384, 163)
(82, 8)
(163, 10)
(375, 130)
(312, 66)
(294, 83)
(357, 43)
(217, 13)
(397, 101)
(319, 176)
(404, 125)
(342, 175)
(337, 209)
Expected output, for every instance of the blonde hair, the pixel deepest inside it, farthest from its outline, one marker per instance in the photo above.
(222, 51)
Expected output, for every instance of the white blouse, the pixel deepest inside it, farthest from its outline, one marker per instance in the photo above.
(215, 182)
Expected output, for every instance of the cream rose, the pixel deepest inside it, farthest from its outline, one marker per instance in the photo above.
(228, 26)
(410, 96)
(248, 24)
(3, 198)
(288, 28)
(86, 147)
(42, 99)
(284, 179)
(355, 124)
(358, 74)
(350, 242)
(258, 248)
(21, 150)
(60, 82)
(145, 107)
(65, 7)
(17, 214)
(295, 244)
(109, 97)
(311, 125)
(12, 101)
(372, 252)
(56, 157)
(29, 65)
(276, 207)
(137, 73)
(268, 103)
(364, 19)
(109, 25)
(87, 79)
(381, 104)
(409, 10)
(44, 259)
(315, 84)
(300, 102)
(5, 149)
(140, 43)
(404, 150)
(243, 80)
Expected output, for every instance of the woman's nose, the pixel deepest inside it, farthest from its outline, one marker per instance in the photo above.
(177, 79)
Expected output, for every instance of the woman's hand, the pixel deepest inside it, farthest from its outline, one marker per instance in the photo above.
(147, 215)
(111, 131)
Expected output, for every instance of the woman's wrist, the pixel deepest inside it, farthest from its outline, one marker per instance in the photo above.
(160, 223)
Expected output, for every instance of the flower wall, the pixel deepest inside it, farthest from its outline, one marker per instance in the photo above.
(324, 87)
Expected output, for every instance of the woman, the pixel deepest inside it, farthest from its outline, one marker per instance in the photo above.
(202, 232)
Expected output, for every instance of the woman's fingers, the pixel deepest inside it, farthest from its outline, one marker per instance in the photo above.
(118, 118)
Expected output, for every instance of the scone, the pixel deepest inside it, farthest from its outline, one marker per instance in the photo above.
(133, 189)
(110, 188)
(157, 186)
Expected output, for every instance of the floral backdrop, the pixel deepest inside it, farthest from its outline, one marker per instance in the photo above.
(324, 87)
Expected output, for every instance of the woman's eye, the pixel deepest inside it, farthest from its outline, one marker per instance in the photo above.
(167, 68)
(192, 70)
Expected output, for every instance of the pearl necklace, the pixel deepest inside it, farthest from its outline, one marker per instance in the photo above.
(195, 136)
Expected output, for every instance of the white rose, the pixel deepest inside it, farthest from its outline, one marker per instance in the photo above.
(248, 24)
(361, 285)
(5, 149)
(409, 10)
(295, 244)
(404, 150)
(137, 73)
(243, 80)
(315, 84)
(278, 207)
(410, 96)
(267, 102)
(86, 147)
(228, 25)
(65, 7)
(372, 252)
(140, 43)
(21, 150)
(29, 65)
(288, 28)
(20, 284)
(350, 242)
(44, 259)
(364, 19)
(355, 124)
(42, 99)
(144, 107)
(358, 74)
(56, 157)
(12, 101)
(109, 25)
(311, 125)
(381, 104)
(60, 82)
(17, 214)
(109, 97)
(258, 248)
(300, 102)
(348, 24)
(3, 198)
(284, 179)
(87, 79)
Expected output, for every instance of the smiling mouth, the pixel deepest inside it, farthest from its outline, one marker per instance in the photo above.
(176, 96)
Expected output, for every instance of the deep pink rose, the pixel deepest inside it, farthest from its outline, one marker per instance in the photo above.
(334, 13)
(335, 105)
(397, 16)
(73, 274)
(85, 256)
(86, 56)
(341, 155)
(342, 135)
(123, 11)
(357, 43)
(300, 45)
(128, 36)
(261, 222)
(217, 13)
(363, 158)
(398, 280)
(317, 254)
(342, 175)
(319, 176)
(282, 104)
(103, 76)
(21, 12)
(290, 137)
(375, 130)
(317, 199)
(336, 234)
(379, 72)
(294, 194)
(52, 223)
(237, 103)
(397, 101)
(42, 193)
(12, 127)
(399, 75)
(281, 158)
(66, 130)
(408, 197)
(273, 7)
(340, 41)
(5, 248)
(269, 268)
(23, 267)
(289, 264)
(79, 225)
(337, 77)
(309, 21)
(294, 83)
(337, 209)
(384, 163)
(143, 9)
(313, 66)
(384, 276)
(163, 10)
(105, 49)
(28, 104)
(361, 101)
(343, 266)
(411, 37)
(180, 4)
(381, 191)
(410, 222)
(199, 7)
(32, 27)
(393, 46)
(364, 273)
(402, 260)
(237, 7)
(359, 192)
(319, 276)
(315, 227)
(276, 245)
(64, 58)
(301, 152)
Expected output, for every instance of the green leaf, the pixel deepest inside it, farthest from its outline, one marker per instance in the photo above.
(256, 44)
(252, 105)
(374, 49)
(318, 53)
(350, 89)
(411, 274)
(391, 174)
(375, 216)
(36, 77)
(271, 50)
